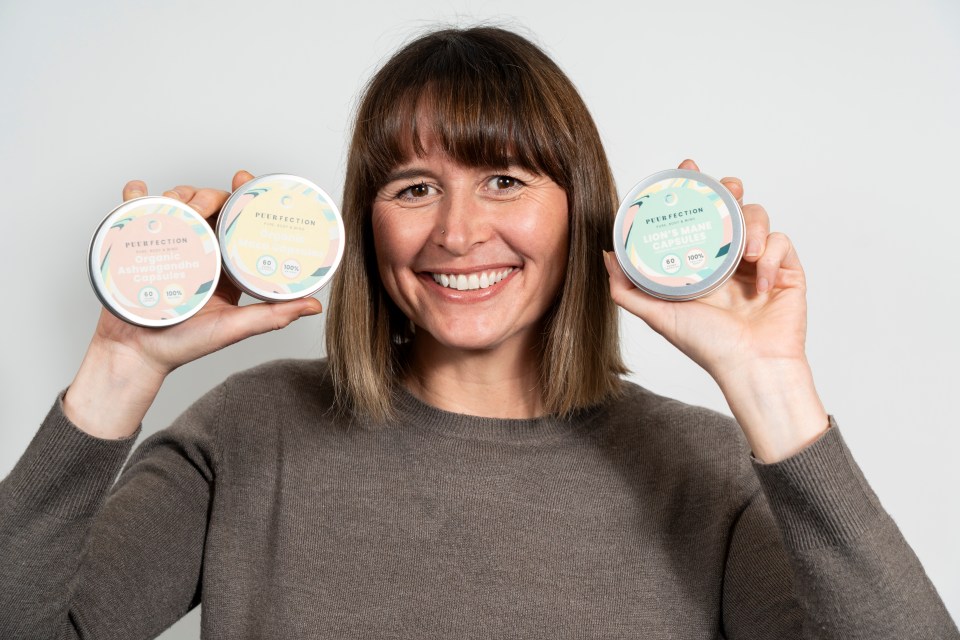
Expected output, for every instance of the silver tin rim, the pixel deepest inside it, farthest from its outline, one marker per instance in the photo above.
(96, 283)
(709, 284)
(237, 279)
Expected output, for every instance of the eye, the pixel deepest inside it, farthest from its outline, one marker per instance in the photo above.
(415, 192)
(504, 183)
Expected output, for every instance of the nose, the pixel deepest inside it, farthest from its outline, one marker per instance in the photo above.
(462, 222)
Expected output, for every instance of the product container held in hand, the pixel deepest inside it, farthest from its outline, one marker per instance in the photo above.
(679, 234)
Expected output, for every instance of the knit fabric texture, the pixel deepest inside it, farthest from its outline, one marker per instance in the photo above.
(642, 518)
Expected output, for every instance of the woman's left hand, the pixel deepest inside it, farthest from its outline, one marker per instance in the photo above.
(748, 335)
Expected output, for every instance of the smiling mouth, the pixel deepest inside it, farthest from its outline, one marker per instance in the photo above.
(468, 281)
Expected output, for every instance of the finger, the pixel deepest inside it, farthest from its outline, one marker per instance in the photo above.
(779, 253)
(649, 309)
(756, 229)
(238, 323)
(183, 193)
(240, 178)
(134, 189)
(689, 164)
(207, 202)
(735, 187)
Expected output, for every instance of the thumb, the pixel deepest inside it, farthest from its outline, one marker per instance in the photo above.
(238, 323)
(240, 178)
(653, 311)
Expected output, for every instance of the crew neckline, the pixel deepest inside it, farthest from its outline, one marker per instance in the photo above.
(415, 412)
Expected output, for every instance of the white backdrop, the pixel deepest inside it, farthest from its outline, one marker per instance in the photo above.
(839, 117)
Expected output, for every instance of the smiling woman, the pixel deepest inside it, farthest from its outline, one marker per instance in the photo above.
(472, 153)
(488, 473)
(500, 242)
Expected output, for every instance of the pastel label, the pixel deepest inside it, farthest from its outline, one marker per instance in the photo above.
(677, 231)
(280, 237)
(157, 261)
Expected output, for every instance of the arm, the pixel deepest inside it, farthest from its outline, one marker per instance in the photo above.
(814, 550)
(851, 567)
(77, 563)
(84, 560)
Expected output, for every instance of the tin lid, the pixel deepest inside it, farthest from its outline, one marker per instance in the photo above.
(281, 236)
(679, 234)
(153, 261)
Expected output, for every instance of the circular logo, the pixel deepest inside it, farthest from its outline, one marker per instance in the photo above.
(148, 296)
(267, 265)
(696, 258)
(670, 263)
(291, 269)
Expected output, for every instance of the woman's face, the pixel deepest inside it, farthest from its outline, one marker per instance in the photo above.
(473, 256)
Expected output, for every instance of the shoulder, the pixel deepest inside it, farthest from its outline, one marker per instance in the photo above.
(652, 414)
(285, 394)
(278, 410)
(675, 439)
(287, 380)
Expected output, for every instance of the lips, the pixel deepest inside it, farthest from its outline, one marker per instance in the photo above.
(475, 280)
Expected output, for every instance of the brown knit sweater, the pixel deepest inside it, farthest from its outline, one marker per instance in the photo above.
(644, 518)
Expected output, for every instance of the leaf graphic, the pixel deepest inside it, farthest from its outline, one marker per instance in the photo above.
(103, 264)
(322, 271)
(723, 250)
(119, 223)
(232, 223)
(204, 287)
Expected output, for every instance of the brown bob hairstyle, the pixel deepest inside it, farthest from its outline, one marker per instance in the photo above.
(489, 97)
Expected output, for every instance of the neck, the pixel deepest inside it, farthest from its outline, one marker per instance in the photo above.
(497, 383)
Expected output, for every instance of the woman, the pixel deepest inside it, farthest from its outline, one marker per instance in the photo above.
(468, 463)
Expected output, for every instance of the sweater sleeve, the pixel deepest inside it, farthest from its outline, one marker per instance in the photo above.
(814, 555)
(84, 557)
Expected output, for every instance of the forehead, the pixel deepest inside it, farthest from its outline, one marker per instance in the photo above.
(461, 124)
(430, 152)
(473, 139)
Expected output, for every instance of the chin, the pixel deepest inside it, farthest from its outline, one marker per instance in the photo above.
(469, 338)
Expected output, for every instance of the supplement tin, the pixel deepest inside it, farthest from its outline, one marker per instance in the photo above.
(679, 234)
(282, 237)
(154, 261)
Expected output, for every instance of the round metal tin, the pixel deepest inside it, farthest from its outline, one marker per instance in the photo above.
(281, 237)
(679, 234)
(153, 261)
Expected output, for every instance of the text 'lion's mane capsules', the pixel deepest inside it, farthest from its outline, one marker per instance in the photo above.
(679, 234)
(154, 261)
(282, 237)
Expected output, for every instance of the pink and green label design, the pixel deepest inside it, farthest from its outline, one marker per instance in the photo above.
(156, 261)
(280, 237)
(677, 231)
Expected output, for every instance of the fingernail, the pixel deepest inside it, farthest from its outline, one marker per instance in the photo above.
(753, 248)
(309, 310)
(136, 193)
(762, 285)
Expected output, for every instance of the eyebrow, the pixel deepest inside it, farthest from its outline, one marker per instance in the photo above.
(406, 174)
(421, 172)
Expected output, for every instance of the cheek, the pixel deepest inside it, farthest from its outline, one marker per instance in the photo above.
(396, 243)
(552, 234)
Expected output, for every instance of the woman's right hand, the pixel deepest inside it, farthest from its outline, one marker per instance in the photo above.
(125, 365)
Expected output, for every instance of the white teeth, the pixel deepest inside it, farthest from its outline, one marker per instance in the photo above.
(478, 280)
